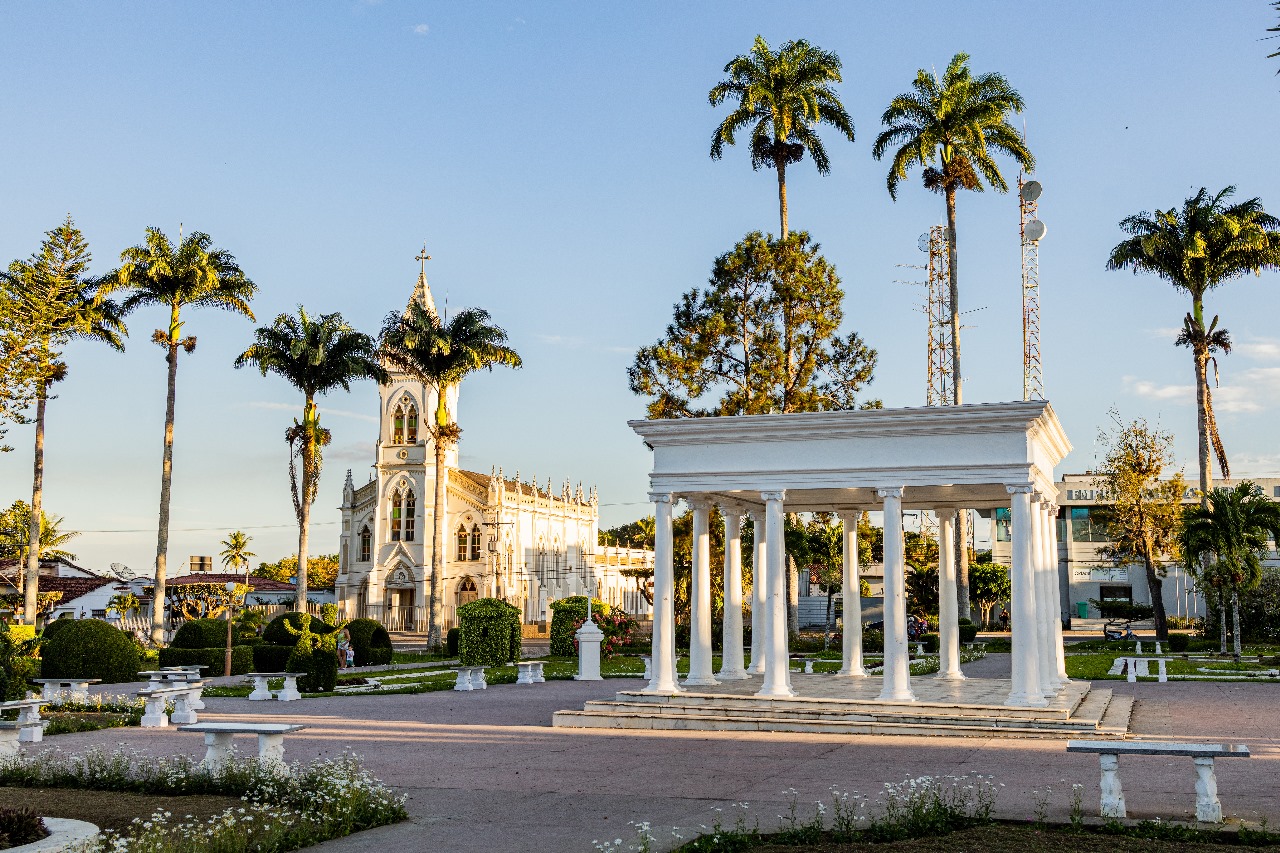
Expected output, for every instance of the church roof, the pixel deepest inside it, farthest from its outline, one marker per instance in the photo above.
(483, 480)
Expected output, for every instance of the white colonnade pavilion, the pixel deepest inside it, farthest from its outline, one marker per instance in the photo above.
(938, 459)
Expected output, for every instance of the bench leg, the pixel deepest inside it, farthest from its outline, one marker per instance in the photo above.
(463, 681)
(1112, 793)
(477, 679)
(271, 749)
(155, 716)
(1208, 808)
(194, 700)
(183, 714)
(31, 726)
(219, 751)
(260, 690)
(537, 673)
(648, 668)
(808, 667)
(525, 676)
(9, 742)
(289, 693)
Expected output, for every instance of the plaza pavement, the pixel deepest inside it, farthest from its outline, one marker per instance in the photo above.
(483, 771)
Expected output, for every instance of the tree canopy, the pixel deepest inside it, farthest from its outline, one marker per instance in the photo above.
(322, 568)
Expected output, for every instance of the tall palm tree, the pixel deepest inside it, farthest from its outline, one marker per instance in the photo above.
(315, 355)
(441, 353)
(783, 96)
(1207, 242)
(951, 127)
(15, 535)
(235, 552)
(1228, 537)
(192, 274)
(57, 301)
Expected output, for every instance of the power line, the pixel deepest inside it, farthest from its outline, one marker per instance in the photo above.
(223, 528)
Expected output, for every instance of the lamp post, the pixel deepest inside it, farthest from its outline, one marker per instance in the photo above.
(231, 606)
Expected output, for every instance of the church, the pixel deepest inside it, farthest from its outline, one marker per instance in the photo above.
(522, 542)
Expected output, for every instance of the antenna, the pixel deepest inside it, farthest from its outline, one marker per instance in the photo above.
(938, 312)
(1031, 230)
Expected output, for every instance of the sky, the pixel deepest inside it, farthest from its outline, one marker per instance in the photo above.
(554, 159)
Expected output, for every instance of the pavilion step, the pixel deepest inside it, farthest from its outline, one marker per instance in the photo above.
(1117, 716)
(760, 705)
(606, 720)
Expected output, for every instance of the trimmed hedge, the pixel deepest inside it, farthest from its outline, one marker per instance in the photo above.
(451, 641)
(1179, 642)
(932, 642)
(371, 642)
(268, 657)
(90, 648)
(489, 633)
(320, 666)
(242, 659)
(53, 626)
(968, 633)
(21, 633)
(567, 613)
(201, 634)
(276, 633)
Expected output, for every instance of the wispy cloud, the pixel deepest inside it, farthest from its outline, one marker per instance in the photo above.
(1153, 391)
(352, 451)
(324, 410)
(421, 29)
(1253, 390)
(1260, 349)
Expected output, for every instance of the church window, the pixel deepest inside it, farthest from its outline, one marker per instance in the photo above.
(366, 541)
(475, 541)
(410, 512)
(397, 515)
(397, 426)
(411, 424)
(462, 542)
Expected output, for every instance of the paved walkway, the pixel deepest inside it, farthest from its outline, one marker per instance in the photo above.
(483, 770)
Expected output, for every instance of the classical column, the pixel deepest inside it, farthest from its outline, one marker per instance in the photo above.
(851, 593)
(759, 595)
(731, 668)
(1046, 665)
(701, 671)
(948, 604)
(776, 679)
(1025, 657)
(1059, 655)
(897, 664)
(663, 664)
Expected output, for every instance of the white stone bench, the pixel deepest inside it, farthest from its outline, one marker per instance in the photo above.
(648, 667)
(471, 678)
(530, 672)
(190, 672)
(1208, 808)
(807, 662)
(54, 689)
(30, 725)
(219, 749)
(155, 715)
(262, 692)
(10, 730)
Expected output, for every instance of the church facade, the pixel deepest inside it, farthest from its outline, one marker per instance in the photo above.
(525, 543)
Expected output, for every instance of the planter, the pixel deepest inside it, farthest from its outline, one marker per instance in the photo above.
(64, 834)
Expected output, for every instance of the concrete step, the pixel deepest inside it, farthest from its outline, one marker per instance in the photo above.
(1117, 716)
(606, 720)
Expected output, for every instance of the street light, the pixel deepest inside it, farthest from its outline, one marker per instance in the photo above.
(231, 606)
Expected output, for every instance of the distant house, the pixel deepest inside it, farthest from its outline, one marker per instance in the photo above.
(261, 590)
(84, 593)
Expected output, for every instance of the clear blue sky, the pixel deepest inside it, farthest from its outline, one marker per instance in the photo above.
(554, 157)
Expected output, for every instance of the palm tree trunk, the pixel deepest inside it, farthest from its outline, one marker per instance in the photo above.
(1222, 624)
(304, 506)
(782, 196)
(1235, 623)
(166, 488)
(957, 396)
(31, 587)
(436, 613)
(1155, 587)
(1202, 424)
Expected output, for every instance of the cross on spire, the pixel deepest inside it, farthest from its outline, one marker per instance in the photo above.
(423, 257)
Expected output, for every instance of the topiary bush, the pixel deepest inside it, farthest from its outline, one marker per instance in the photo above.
(968, 633)
(451, 641)
(268, 657)
(201, 634)
(567, 614)
(371, 642)
(242, 659)
(53, 626)
(1179, 642)
(314, 653)
(932, 642)
(277, 634)
(489, 633)
(90, 648)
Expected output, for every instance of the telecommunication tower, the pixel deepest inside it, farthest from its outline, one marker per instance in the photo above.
(1032, 230)
(938, 311)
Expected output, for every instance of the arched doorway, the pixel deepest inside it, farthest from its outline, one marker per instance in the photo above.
(467, 591)
(401, 606)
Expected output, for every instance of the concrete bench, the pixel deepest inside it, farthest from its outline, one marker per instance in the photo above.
(530, 672)
(9, 733)
(808, 663)
(190, 672)
(219, 749)
(30, 725)
(471, 678)
(648, 666)
(155, 715)
(1208, 808)
(54, 688)
(288, 693)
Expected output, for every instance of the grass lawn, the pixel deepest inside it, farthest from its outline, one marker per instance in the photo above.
(1095, 666)
(112, 809)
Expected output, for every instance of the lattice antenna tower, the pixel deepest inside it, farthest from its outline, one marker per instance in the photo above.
(938, 312)
(1031, 230)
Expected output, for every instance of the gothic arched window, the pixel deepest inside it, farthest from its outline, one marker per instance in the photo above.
(462, 542)
(397, 515)
(404, 423)
(411, 424)
(404, 507)
(410, 513)
(397, 426)
(475, 541)
(366, 543)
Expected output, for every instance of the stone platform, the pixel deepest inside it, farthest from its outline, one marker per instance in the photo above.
(833, 705)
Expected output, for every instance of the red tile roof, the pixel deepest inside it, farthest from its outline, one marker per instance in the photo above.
(73, 588)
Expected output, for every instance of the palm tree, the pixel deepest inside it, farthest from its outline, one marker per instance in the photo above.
(193, 274)
(441, 353)
(316, 356)
(15, 535)
(783, 95)
(235, 552)
(57, 302)
(951, 126)
(1208, 242)
(1228, 537)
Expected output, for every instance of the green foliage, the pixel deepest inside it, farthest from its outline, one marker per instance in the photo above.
(268, 657)
(322, 570)
(922, 590)
(215, 658)
(873, 641)
(90, 648)
(490, 633)
(278, 634)
(320, 666)
(451, 641)
(15, 534)
(1123, 610)
(21, 633)
(1259, 609)
(1179, 643)
(20, 826)
(329, 613)
(968, 632)
(371, 642)
(989, 584)
(566, 615)
(932, 642)
(201, 634)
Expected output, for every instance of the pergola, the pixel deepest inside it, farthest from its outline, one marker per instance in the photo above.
(940, 459)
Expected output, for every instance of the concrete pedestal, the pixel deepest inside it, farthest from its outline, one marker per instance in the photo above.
(589, 639)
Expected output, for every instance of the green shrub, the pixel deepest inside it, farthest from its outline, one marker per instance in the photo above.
(21, 633)
(567, 614)
(873, 641)
(90, 648)
(53, 626)
(215, 659)
(489, 632)
(1179, 642)
(968, 632)
(278, 634)
(451, 641)
(371, 642)
(932, 642)
(268, 657)
(20, 826)
(320, 667)
(201, 634)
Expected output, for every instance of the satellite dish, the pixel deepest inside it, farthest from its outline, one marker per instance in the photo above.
(924, 242)
(1034, 231)
(1031, 191)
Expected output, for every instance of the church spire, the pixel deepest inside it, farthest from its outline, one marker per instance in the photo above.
(422, 292)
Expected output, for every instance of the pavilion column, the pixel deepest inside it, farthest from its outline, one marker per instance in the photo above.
(663, 665)
(1055, 591)
(759, 595)
(731, 663)
(776, 676)
(851, 593)
(701, 671)
(1025, 658)
(948, 604)
(897, 665)
(1046, 664)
